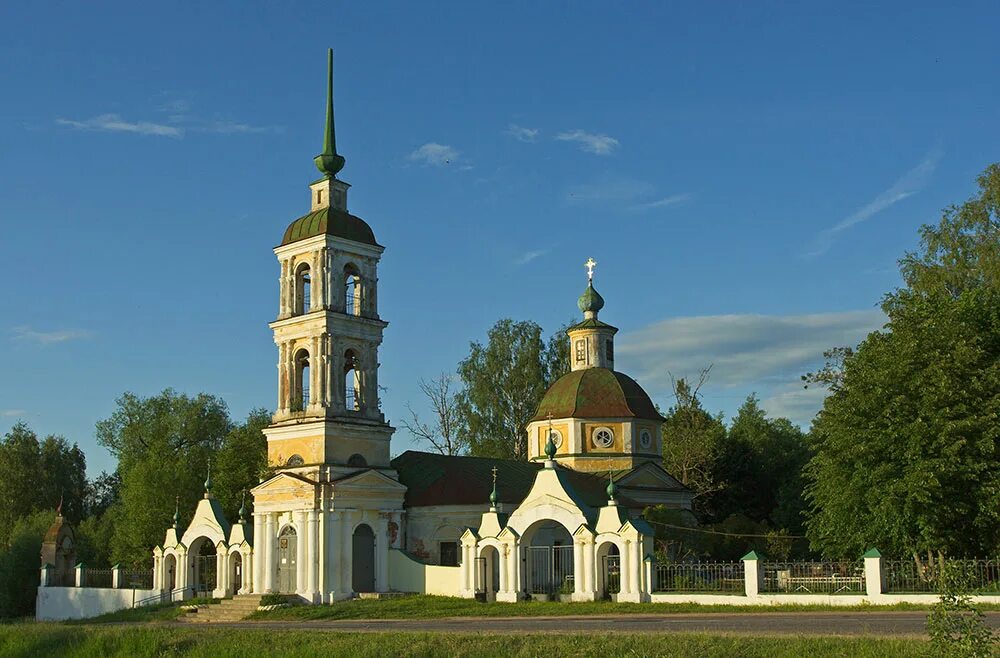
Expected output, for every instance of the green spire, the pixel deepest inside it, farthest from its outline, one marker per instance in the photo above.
(550, 447)
(208, 481)
(612, 489)
(243, 507)
(329, 162)
(493, 496)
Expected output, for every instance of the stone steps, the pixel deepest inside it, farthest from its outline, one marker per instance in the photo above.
(234, 609)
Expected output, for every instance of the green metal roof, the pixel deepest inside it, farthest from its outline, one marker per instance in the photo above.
(590, 300)
(596, 393)
(592, 323)
(329, 221)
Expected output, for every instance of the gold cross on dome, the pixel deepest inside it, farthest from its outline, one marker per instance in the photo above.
(590, 265)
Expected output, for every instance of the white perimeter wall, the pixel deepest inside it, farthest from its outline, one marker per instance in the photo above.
(808, 599)
(408, 575)
(58, 603)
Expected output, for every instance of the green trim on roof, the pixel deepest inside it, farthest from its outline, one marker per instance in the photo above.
(592, 323)
(872, 552)
(329, 221)
(752, 555)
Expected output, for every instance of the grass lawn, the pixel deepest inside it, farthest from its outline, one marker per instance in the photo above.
(430, 607)
(24, 640)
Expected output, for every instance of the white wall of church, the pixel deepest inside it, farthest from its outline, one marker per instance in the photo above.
(428, 527)
(408, 575)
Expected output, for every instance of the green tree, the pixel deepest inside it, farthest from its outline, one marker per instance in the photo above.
(36, 474)
(503, 382)
(163, 445)
(692, 443)
(908, 446)
(241, 462)
(19, 564)
(762, 461)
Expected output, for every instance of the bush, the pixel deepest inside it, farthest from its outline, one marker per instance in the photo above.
(20, 566)
(273, 599)
(957, 628)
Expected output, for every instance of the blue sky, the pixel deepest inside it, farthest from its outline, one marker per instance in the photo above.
(745, 174)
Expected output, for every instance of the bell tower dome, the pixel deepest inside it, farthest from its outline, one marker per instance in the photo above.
(328, 331)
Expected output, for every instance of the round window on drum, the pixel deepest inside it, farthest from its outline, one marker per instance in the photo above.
(603, 437)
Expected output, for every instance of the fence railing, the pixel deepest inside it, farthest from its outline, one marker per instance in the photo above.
(813, 577)
(98, 578)
(909, 577)
(724, 577)
(135, 579)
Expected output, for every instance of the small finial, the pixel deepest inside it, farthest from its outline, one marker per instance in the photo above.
(493, 495)
(59, 506)
(590, 265)
(208, 481)
(177, 511)
(612, 489)
(243, 506)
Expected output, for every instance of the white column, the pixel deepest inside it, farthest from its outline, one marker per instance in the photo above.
(268, 546)
(221, 572)
(258, 539)
(249, 578)
(626, 569)
(347, 559)
(323, 540)
(334, 552)
(282, 307)
(382, 554)
(579, 569)
(299, 519)
(590, 551)
(504, 559)
(312, 572)
(873, 573)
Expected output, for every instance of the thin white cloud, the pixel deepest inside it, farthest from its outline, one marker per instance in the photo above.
(522, 134)
(795, 402)
(590, 142)
(435, 154)
(909, 184)
(114, 123)
(529, 256)
(11, 413)
(754, 352)
(611, 189)
(48, 337)
(235, 127)
(665, 202)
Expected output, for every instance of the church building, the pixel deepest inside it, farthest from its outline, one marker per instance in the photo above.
(342, 517)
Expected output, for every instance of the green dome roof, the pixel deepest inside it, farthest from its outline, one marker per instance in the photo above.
(596, 393)
(329, 221)
(590, 300)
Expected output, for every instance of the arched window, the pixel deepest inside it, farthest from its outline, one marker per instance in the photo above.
(357, 461)
(300, 396)
(303, 289)
(352, 382)
(352, 290)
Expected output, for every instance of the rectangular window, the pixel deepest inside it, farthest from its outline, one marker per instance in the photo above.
(609, 350)
(449, 554)
(581, 351)
(319, 197)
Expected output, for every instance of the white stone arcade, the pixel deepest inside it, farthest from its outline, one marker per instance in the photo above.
(552, 546)
(211, 558)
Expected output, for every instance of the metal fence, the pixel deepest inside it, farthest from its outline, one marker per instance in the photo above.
(62, 578)
(98, 577)
(814, 577)
(909, 577)
(550, 569)
(139, 579)
(724, 577)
